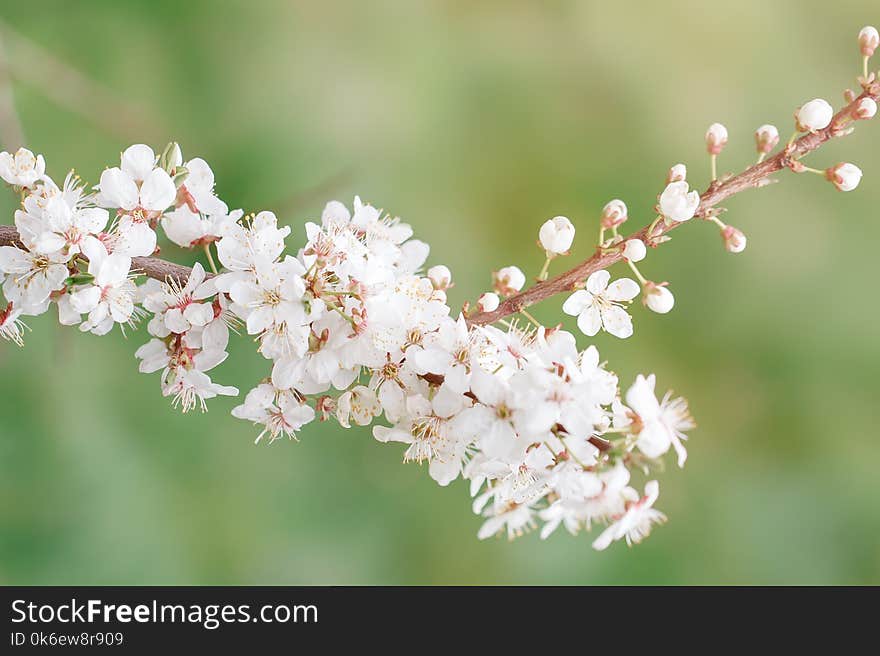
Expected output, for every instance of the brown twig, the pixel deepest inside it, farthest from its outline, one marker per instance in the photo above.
(149, 266)
(752, 177)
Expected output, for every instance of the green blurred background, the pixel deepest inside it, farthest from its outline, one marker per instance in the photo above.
(475, 122)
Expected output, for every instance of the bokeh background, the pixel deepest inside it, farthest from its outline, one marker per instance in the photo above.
(475, 121)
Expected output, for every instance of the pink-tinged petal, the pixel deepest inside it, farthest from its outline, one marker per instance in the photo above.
(623, 289)
(158, 191)
(589, 321)
(138, 160)
(617, 322)
(118, 189)
(576, 303)
(598, 281)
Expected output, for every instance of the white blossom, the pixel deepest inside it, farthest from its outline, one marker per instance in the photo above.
(635, 524)
(22, 169)
(600, 305)
(677, 203)
(556, 235)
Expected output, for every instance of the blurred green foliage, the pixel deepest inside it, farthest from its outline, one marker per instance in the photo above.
(475, 121)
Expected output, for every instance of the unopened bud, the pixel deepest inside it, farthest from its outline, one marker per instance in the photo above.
(677, 173)
(716, 138)
(845, 176)
(865, 108)
(657, 297)
(556, 235)
(634, 250)
(440, 276)
(869, 39)
(734, 239)
(508, 280)
(613, 214)
(488, 302)
(766, 138)
(814, 115)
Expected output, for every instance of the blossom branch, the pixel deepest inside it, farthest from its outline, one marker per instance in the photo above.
(152, 267)
(718, 191)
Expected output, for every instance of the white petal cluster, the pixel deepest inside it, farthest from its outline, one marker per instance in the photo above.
(355, 330)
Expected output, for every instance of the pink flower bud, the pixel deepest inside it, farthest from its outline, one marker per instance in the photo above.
(766, 138)
(866, 108)
(869, 39)
(716, 138)
(734, 239)
(677, 173)
(440, 276)
(657, 297)
(488, 302)
(613, 214)
(814, 115)
(845, 176)
(634, 250)
(508, 280)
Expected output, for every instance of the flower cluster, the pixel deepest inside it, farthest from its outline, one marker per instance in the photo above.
(354, 328)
